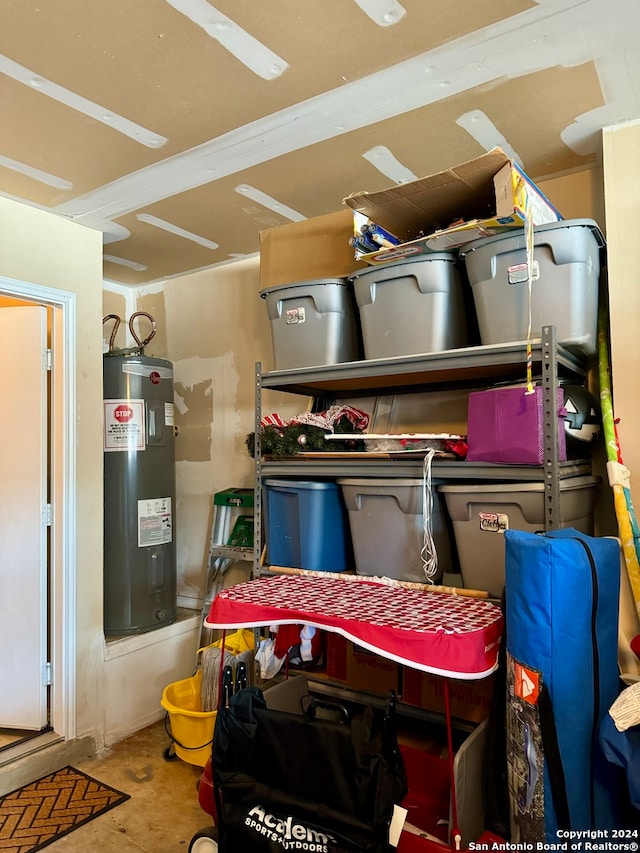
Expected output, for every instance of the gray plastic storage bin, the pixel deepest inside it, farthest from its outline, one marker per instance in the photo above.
(385, 517)
(564, 293)
(312, 323)
(481, 513)
(411, 307)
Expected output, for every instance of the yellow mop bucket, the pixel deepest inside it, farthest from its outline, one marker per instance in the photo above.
(191, 728)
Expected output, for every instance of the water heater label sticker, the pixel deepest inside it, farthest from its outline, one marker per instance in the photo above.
(155, 526)
(169, 420)
(124, 425)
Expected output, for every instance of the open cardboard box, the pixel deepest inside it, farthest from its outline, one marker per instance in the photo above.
(479, 198)
(309, 250)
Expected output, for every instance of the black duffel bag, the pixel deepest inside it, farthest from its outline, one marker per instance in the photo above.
(291, 782)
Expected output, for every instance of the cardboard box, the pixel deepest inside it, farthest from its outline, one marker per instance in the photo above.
(359, 668)
(468, 700)
(308, 250)
(479, 198)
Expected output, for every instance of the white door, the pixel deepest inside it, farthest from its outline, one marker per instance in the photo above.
(23, 525)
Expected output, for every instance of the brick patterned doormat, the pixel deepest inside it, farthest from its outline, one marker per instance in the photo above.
(45, 810)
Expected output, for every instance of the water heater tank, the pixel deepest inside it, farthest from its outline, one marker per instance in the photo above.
(139, 494)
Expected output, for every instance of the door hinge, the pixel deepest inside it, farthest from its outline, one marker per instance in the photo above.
(48, 360)
(47, 515)
(46, 674)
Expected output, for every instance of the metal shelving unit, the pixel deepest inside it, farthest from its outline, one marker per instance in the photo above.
(462, 368)
(465, 368)
(443, 469)
(468, 369)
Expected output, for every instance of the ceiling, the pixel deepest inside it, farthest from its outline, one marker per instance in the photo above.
(181, 129)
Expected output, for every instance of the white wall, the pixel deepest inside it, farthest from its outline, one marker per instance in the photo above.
(130, 702)
(621, 163)
(47, 250)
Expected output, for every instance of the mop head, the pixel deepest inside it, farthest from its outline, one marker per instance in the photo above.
(210, 665)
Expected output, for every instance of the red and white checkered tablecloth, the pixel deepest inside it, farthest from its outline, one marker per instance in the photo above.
(447, 635)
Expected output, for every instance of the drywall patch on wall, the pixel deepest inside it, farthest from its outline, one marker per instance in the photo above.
(209, 457)
(150, 289)
(194, 414)
(206, 427)
(193, 371)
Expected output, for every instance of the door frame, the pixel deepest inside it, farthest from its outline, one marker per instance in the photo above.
(63, 496)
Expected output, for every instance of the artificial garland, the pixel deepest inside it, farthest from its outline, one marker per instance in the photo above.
(306, 432)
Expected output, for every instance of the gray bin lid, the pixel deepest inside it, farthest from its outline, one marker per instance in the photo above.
(563, 224)
(306, 285)
(583, 482)
(448, 257)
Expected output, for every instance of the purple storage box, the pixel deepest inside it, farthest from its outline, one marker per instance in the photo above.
(506, 426)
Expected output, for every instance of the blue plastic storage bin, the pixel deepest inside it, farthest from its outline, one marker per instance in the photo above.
(306, 526)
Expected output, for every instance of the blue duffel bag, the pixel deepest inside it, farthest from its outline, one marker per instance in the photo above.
(562, 601)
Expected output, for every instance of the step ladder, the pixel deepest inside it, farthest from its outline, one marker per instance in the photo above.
(231, 541)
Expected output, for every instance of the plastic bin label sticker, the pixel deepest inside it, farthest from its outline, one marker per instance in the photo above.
(493, 522)
(294, 316)
(124, 425)
(168, 414)
(155, 524)
(519, 273)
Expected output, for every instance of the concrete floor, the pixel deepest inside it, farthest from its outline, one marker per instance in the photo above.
(163, 812)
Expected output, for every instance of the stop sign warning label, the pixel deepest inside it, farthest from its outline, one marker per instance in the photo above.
(124, 425)
(123, 413)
